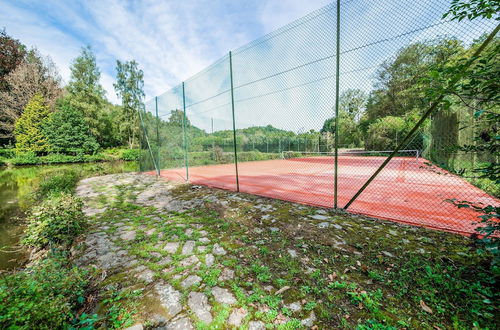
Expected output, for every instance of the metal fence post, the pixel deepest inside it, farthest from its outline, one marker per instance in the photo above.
(186, 161)
(337, 79)
(157, 137)
(234, 122)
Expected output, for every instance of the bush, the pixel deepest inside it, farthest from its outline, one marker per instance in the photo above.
(64, 181)
(43, 296)
(56, 221)
(7, 153)
(130, 154)
(30, 158)
(68, 132)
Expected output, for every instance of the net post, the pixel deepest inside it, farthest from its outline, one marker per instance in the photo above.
(157, 137)
(337, 83)
(184, 119)
(234, 122)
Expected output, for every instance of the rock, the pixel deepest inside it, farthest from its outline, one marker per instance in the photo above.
(292, 253)
(169, 298)
(198, 303)
(128, 235)
(201, 248)
(171, 247)
(150, 232)
(135, 327)
(318, 217)
(393, 232)
(188, 232)
(180, 324)
(209, 260)
(155, 254)
(203, 233)
(190, 281)
(188, 247)
(339, 227)
(218, 250)
(227, 274)
(237, 315)
(294, 307)
(204, 240)
(146, 275)
(189, 261)
(164, 261)
(256, 325)
(274, 229)
(309, 322)
(323, 225)
(388, 254)
(223, 296)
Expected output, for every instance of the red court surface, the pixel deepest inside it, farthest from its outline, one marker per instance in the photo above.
(406, 191)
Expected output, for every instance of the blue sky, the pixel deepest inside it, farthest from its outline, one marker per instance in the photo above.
(171, 40)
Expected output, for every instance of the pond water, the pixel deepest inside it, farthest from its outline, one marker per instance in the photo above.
(16, 185)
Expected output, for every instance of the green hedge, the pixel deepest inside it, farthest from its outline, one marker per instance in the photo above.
(30, 158)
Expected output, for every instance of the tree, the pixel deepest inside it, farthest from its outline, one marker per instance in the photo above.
(68, 132)
(351, 106)
(12, 53)
(400, 86)
(177, 118)
(29, 132)
(352, 102)
(88, 96)
(35, 75)
(129, 87)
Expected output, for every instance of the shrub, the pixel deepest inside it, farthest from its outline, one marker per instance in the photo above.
(7, 153)
(63, 182)
(56, 221)
(28, 130)
(68, 132)
(30, 158)
(43, 296)
(130, 154)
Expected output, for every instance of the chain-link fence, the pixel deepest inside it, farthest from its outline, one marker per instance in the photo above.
(319, 112)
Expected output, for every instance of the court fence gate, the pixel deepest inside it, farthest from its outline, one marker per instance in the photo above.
(357, 106)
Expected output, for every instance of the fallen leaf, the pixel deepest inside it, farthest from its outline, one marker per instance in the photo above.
(425, 307)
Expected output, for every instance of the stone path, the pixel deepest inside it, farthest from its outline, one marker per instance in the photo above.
(168, 259)
(170, 242)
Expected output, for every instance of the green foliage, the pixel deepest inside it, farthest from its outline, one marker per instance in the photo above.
(472, 9)
(44, 296)
(87, 95)
(383, 133)
(130, 154)
(439, 283)
(129, 87)
(7, 153)
(64, 181)
(68, 132)
(29, 133)
(29, 158)
(56, 221)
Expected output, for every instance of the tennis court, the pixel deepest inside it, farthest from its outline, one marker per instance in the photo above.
(408, 190)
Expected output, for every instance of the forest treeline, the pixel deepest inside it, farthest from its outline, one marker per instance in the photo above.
(39, 116)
